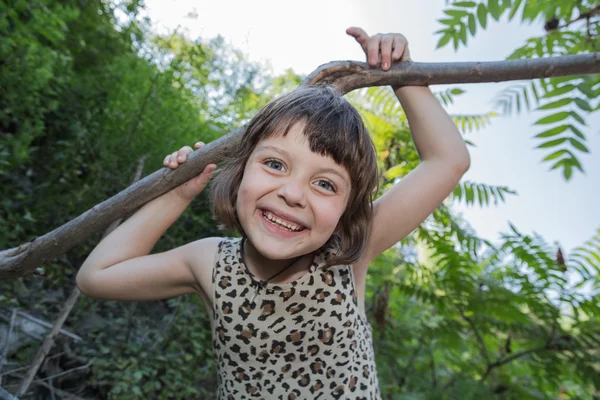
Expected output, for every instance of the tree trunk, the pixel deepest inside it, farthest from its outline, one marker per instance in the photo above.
(343, 75)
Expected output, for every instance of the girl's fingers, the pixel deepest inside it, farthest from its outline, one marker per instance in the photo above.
(360, 35)
(386, 52)
(203, 179)
(178, 157)
(373, 44)
(400, 49)
(182, 153)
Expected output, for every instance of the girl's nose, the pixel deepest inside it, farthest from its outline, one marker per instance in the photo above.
(292, 192)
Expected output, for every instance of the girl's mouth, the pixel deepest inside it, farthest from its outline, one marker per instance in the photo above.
(281, 223)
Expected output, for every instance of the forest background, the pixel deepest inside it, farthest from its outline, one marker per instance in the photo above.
(470, 305)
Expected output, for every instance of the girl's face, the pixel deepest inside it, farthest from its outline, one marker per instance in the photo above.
(290, 199)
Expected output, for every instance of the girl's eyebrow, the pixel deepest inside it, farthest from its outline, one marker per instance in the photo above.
(286, 154)
(275, 149)
(335, 172)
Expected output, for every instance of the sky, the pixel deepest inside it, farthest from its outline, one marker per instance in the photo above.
(304, 35)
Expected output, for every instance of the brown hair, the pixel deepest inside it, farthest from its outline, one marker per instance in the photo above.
(334, 128)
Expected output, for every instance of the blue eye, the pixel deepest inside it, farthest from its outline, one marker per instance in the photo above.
(275, 165)
(326, 185)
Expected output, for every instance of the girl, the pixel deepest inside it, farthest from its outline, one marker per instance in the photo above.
(287, 299)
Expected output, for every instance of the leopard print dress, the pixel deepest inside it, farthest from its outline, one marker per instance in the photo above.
(306, 339)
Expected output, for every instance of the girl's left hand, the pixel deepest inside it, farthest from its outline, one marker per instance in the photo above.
(382, 47)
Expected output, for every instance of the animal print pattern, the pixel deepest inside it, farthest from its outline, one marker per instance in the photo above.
(305, 339)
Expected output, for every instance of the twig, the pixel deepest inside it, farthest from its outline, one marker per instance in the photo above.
(410, 365)
(67, 308)
(47, 325)
(66, 395)
(586, 15)
(513, 357)
(6, 395)
(67, 372)
(484, 351)
(29, 365)
(48, 342)
(7, 341)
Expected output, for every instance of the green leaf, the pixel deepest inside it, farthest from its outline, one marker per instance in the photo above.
(556, 154)
(463, 33)
(567, 171)
(584, 105)
(394, 172)
(465, 4)
(450, 22)
(556, 104)
(577, 117)
(495, 9)
(444, 40)
(457, 13)
(553, 118)
(587, 90)
(472, 24)
(578, 145)
(552, 132)
(514, 9)
(482, 15)
(457, 91)
(552, 143)
(558, 91)
(576, 131)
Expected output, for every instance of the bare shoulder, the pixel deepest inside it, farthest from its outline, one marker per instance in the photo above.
(200, 257)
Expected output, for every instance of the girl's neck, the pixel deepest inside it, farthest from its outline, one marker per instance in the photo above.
(263, 268)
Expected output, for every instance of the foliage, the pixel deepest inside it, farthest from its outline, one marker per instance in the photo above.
(89, 91)
(461, 317)
(570, 27)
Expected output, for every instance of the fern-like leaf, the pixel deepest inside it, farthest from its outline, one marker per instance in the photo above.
(484, 195)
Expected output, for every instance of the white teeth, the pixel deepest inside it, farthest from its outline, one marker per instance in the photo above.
(273, 218)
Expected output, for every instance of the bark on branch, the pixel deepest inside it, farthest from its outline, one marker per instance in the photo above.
(343, 75)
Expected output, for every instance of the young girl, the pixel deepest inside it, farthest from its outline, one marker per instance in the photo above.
(287, 298)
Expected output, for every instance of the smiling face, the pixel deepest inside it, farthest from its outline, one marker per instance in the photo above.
(291, 199)
(305, 168)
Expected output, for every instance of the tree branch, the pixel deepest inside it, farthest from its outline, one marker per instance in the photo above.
(484, 351)
(586, 15)
(506, 360)
(344, 76)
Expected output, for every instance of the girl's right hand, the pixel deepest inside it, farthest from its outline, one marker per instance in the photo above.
(190, 189)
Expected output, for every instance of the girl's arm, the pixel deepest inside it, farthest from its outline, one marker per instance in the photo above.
(444, 160)
(119, 268)
(443, 153)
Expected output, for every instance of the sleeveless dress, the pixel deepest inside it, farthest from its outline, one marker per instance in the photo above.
(306, 339)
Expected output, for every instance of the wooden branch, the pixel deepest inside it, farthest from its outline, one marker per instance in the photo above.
(343, 75)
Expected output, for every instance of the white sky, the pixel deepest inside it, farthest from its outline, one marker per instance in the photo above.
(304, 35)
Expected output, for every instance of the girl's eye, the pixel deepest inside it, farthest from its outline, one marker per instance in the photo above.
(275, 165)
(326, 185)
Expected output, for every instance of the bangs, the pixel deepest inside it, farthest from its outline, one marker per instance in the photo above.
(332, 127)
